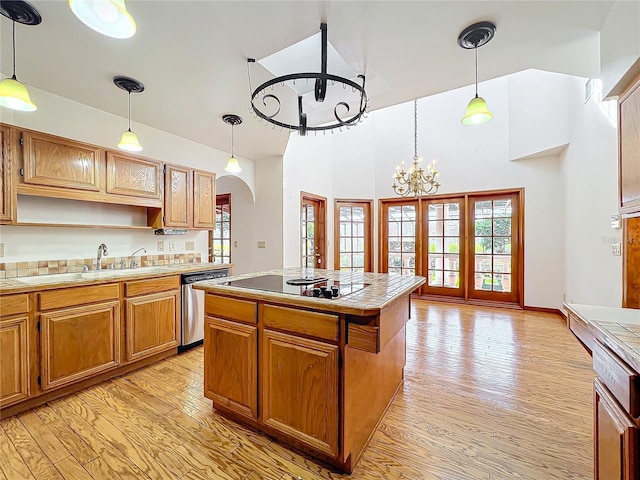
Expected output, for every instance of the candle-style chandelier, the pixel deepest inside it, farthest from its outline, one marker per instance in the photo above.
(416, 181)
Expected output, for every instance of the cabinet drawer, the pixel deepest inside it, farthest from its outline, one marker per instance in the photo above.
(313, 324)
(152, 285)
(70, 297)
(231, 308)
(14, 304)
(581, 331)
(621, 381)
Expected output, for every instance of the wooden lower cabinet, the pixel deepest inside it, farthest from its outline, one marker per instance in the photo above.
(615, 438)
(152, 324)
(231, 368)
(14, 359)
(79, 342)
(300, 389)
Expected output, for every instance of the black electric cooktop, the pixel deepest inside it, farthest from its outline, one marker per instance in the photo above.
(307, 286)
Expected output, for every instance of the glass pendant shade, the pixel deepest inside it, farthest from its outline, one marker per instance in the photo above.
(233, 166)
(108, 17)
(129, 142)
(477, 112)
(14, 95)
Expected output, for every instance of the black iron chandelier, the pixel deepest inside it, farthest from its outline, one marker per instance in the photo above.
(266, 101)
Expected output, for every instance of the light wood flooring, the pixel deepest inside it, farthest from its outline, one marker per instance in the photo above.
(488, 394)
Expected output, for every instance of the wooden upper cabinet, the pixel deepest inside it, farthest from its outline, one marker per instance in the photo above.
(299, 382)
(204, 200)
(6, 183)
(14, 358)
(58, 162)
(177, 196)
(133, 176)
(629, 148)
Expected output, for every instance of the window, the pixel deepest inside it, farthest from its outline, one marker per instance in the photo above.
(353, 236)
(221, 236)
(399, 229)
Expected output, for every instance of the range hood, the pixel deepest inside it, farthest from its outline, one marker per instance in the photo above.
(170, 231)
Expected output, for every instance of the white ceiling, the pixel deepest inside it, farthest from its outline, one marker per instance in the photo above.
(191, 55)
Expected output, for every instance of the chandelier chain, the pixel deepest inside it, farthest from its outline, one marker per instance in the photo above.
(415, 128)
(14, 49)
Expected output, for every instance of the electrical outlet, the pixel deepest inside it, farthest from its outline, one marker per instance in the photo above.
(262, 244)
(172, 246)
(1, 249)
(189, 246)
(160, 246)
(615, 249)
(235, 243)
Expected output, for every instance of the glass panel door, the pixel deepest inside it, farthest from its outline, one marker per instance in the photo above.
(494, 248)
(308, 225)
(220, 239)
(312, 231)
(443, 262)
(353, 236)
(401, 239)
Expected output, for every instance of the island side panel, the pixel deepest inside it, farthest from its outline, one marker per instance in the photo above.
(371, 380)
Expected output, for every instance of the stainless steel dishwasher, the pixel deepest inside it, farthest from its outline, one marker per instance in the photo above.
(193, 306)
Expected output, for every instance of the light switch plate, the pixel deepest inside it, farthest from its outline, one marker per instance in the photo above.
(1, 249)
(160, 246)
(615, 249)
(189, 246)
(262, 244)
(172, 246)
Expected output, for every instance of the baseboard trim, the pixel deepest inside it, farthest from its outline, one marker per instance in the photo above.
(555, 311)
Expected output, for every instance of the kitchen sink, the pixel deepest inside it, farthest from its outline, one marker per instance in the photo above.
(91, 275)
(45, 279)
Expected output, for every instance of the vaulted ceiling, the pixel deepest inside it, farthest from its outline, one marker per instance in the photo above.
(192, 55)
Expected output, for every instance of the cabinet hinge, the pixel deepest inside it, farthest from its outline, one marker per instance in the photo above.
(39, 380)
(339, 362)
(38, 326)
(22, 172)
(21, 141)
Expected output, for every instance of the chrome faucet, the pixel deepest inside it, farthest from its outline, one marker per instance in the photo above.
(102, 250)
(132, 263)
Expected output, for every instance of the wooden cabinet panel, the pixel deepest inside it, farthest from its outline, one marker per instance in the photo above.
(177, 197)
(230, 366)
(620, 380)
(14, 304)
(14, 359)
(231, 308)
(134, 177)
(313, 324)
(6, 183)
(69, 297)
(581, 331)
(629, 128)
(204, 200)
(58, 162)
(615, 437)
(79, 342)
(152, 324)
(151, 285)
(300, 389)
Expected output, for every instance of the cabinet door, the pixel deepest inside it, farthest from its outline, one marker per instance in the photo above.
(300, 389)
(58, 162)
(6, 183)
(230, 366)
(79, 342)
(14, 358)
(133, 177)
(615, 438)
(152, 324)
(204, 200)
(629, 128)
(177, 197)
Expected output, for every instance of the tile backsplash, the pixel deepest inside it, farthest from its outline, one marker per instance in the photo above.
(50, 267)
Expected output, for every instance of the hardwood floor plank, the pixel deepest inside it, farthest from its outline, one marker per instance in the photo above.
(39, 464)
(76, 446)
(48, 441)
(72, 470)
(100, 470)
(11, 463)
(144, 396)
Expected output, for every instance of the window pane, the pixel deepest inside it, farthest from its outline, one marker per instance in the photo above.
(502, 263)
(408, 271)
(502, 208)
(483, 209)
(310, 213)
(435, 245)
(435, 227)
(408, 229)
(226, 233)
(358, 214)
(435, 211)
(436, 262)
(483, 228)
(345, 260)
(310, 247)
(347, 244)
(452, 245)
(345, 213)
(452, 228)
(345, 229)
(497, 282)
(358, 245)
(452, 211)
(483, 263)
(435, 278)
(394, 229)
(395, 260)
(482, 281)
(483, 244)
(358, 229)
(395, 244)
(395, 213)
(502, 245)
(396, 271)
(408, 246)
(408, 213)
(506, 283)
(358, 259)
(451, 262)
(451, 279)
(502, 226)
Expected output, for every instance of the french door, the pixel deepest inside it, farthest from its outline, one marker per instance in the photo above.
(353, 235)
(312, 231)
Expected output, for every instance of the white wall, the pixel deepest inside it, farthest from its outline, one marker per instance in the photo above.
(531, 116)
(66, 118)
(268, 215)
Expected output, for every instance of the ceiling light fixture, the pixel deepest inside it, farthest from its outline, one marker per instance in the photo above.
(232, 164)
(13, 94)
(108, 17)
(353, 97)
(475, 36)
(129, 140)
(415, 181)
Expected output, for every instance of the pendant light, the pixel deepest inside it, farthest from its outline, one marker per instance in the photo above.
(108, 17)
(475, 36)
(13, 94)
(232, 164)
(129, 140)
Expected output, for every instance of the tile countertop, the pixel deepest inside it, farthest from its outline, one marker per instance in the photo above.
(94, 277)
(617, 328)
(382, 290)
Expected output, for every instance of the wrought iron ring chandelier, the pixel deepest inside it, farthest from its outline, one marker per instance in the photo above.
(322, 81)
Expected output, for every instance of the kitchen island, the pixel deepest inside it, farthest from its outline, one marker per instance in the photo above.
(316, 372)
